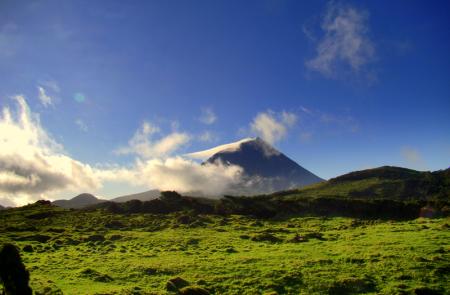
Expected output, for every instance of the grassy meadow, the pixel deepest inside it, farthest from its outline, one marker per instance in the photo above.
(98, 252)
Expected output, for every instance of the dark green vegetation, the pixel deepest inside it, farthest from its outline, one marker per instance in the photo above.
(317, 240)
(13, 275)
(385, 192)
(384, 182)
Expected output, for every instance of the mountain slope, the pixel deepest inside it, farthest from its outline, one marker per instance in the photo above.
(385, 182)
(78, 202)
(265, 168)
(144, 196)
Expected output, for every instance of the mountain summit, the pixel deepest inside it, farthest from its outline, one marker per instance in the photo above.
(265, 168)
(79, 201)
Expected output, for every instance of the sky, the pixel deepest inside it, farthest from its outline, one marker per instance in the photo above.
(108, 97)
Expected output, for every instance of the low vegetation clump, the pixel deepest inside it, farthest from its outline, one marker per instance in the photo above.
(96, 251)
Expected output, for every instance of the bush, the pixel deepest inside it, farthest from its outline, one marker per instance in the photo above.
(13, 274)
(426, 291)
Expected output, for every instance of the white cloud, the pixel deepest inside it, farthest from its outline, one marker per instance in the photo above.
(270, 128)
(51, 84)
(32, 163)
(45, 99)
(289, 118)
(145, 147)
(208, 116)
(345, 41)
(81, 125)
(187, 176)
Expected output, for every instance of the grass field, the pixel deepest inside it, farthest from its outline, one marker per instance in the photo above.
(77, 252)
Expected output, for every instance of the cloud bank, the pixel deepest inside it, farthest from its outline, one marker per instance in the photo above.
(32, 163)
(345, 42)
(34, 166)
(186, 176)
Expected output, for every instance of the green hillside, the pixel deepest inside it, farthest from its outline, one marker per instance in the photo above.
(360, 233)
(97, 252)
(386, 182)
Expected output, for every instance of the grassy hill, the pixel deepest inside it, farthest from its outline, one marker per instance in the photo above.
(98, 252)
(360, 233)
(386, 182)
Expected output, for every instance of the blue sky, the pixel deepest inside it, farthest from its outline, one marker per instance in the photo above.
(364, 83)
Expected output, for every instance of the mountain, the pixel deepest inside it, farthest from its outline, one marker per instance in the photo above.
(266, 169)
(385, 182)
(78, 202)
(144, 196)
(2, 208)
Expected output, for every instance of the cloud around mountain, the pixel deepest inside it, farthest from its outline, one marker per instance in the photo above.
(33, 165)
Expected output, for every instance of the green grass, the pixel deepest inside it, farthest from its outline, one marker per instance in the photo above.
(103, 253)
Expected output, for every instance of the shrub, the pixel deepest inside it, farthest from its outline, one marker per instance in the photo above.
(13, 274)
(426, 291)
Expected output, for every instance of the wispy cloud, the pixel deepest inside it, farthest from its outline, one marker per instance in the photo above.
(44, 98)
(208, 136)
(413, 158)
(81, 125)
(317, 124)
(207, 116)
(143, 145)
(345, 42)
(51, 84)
(272, 127)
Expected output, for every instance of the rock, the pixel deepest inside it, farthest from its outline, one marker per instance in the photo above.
(299, 239)
(193, 290)
(175, 284)
(184, 219)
